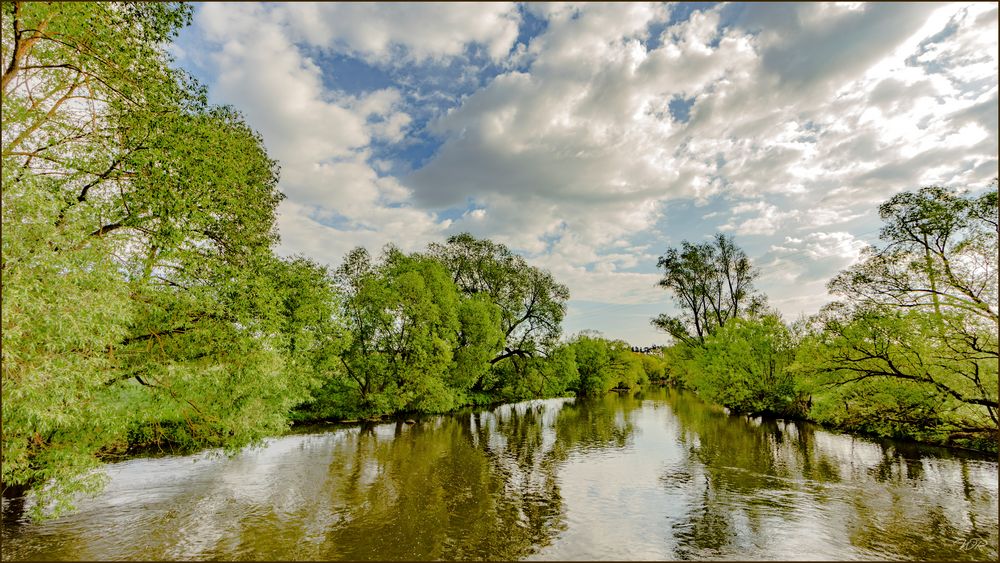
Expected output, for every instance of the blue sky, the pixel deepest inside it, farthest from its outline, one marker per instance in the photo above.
(591, 137)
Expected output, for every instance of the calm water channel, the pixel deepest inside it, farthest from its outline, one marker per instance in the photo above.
(655, 474)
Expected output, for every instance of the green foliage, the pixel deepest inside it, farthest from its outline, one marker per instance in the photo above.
(912, 350)
(888, 372)
(743, 366)
(712, 283)
(142, 303)
(634, 369)
(680, 368)
(413, 342)
(939, 254)
(727, 348)
(467, 323)
(593, 357)
(480, 338)
(603, 364)
(654, 366)
(531, 303)
(250, 348)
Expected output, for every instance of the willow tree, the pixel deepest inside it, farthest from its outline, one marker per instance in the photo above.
(142, 303)
(411, 341)
(531, 303)
(912, 345)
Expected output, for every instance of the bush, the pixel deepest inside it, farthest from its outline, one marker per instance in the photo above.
(743, 366)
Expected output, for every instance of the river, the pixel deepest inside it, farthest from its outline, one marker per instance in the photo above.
(651, 474)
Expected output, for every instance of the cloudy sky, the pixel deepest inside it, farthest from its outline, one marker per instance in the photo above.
(590, 138)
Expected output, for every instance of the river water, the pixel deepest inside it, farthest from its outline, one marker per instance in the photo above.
(653, 474)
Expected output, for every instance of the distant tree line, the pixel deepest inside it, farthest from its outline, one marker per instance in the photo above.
(909, 350)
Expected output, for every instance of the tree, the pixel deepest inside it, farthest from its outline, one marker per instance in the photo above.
(889, 371)
(712, 283)
(919, 316)
(531, 303)
(241, 352)
(142, 302)
(65, 301)
(940, 254)
(744, 366)
(412, 342)
(603, 365)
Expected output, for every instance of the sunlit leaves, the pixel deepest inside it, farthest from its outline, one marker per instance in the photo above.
(912, 350)
(743, 366)
(142, 303)
(531, 303)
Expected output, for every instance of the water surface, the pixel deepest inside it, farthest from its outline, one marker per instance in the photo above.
(655, 474)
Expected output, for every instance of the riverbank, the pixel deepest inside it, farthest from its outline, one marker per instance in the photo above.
(402, 417)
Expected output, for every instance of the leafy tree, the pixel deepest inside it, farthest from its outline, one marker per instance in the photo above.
(744, 366)
(888, 371)
(680, 368)
(142, 302)
(604, 364)
(479, 340)
(518, 379)
(712, 283)
(654, 366)
(412, 342)
(918, 323)
(531, 303)
(246, 354)
(65, 301)
(939, 254)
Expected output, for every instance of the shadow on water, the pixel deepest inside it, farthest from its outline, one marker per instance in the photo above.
(651, 474)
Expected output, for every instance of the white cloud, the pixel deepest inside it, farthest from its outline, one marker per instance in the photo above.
(820, 246)
(320, 140)
(799, 268)
(802, 118)
(404, 32)
(767, 221)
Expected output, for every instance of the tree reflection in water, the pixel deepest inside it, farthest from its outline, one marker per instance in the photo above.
(655, 474)
(766, 479)
(454, 487)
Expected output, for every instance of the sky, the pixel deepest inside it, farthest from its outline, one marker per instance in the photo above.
(590, 138)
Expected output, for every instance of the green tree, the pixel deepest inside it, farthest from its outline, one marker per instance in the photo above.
(711, 283)
(939, 254)
(912, 349)
(242, 350)
(550, 374)
(142, 302)
(604, 364)
(412, 342)
(531, 303)
(888, 371)
(65, 301)
(744, 366)
(654, 366)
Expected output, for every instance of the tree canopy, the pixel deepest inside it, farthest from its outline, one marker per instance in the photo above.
(531, 303)
(142, 301)
(711, 283)
(917, 319)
